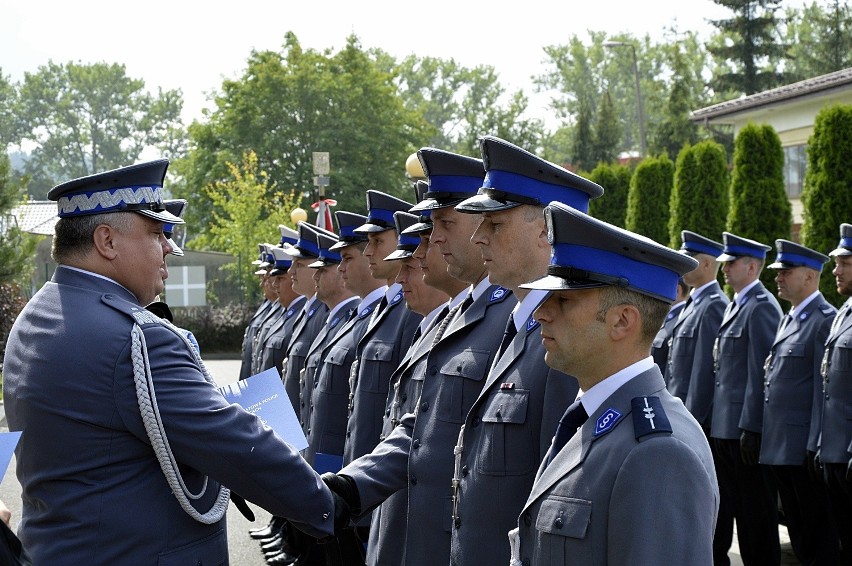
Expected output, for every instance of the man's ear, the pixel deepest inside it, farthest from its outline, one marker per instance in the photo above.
(104, 241)
(624, 321)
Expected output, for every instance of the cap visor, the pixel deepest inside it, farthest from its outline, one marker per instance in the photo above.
(554, 283)
(399, 254)
(478, 204)
(342, 244)
(176, 251)
(840, 251)
(419, 228)
(371, 228)
(163, 216)
(727, 257)
(322, 263)
(432, 204)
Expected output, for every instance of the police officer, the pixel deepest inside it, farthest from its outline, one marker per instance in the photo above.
(419, 452)
(324, 401)
(82, 358)
(508, 429)
(835, 450)
(312, 316)
(388, 521)
(635, 483)
(264, 264)
(742, 345)
(663, 339)
(792, 388)
(390, 329)
(278, 335)
(690, 364)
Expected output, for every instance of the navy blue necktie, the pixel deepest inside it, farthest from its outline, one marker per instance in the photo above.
(508, 336)
(573, 419)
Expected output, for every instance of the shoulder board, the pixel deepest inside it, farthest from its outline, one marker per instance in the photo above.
(140, 315)
(649, 417)
(827, 309)
(396, 298)
(762, 297)
(715, 296)
(499, 294)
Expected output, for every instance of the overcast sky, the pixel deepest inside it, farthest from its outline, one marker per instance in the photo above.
(192, 46)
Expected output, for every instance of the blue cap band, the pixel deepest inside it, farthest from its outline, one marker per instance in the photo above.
(745, 250)
(405, 240)
(643, 276)
(543, 193)
(386, 216)
(796, 259)
(288, 240)
(348, 232)
(329, 255)
(308, 246)
(845, 243)
(168, 228)
(453, 184)
(698, 247)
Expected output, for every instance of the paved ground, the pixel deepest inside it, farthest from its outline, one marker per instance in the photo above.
(243, 550)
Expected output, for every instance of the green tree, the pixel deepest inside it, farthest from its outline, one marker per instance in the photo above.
(826, 197)
(759, 208)
(607, 132)
(88, 118)
(648, 198)
(287, 106)
(750, 46)
(699, 200)
(249, 208)
(17, 248)
(583, 142)
(820, 39)
(7, 114)
(675, 129)
(612, 205)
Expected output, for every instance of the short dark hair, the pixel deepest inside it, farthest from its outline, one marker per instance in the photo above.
(653, 311)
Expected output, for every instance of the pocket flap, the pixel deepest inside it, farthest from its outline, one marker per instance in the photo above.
(469, 363)
(564, 516)
(508, 406)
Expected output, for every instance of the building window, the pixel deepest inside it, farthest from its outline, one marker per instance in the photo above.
(794, 170)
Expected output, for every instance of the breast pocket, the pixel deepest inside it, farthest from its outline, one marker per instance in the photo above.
(375, 357)
(336, 379)
(461, 378)
(507, 446)
(841, 357)
(563, 524)
(733, 341)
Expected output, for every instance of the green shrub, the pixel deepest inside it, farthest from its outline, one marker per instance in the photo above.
(612, 206)
(648, 198)
(218, 329)
(699, 200)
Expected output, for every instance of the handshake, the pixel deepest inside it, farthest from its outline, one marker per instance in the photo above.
(344, 548)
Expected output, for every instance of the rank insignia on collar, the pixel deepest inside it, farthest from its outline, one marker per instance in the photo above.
(532, 324)
(365, 312)
(312, 311)
(290, 313)
(396, 298)
(497, 294)
(334, 322)
(606, 421)
(649, 416)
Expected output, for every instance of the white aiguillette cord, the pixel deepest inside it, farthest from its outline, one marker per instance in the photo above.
(157, 434)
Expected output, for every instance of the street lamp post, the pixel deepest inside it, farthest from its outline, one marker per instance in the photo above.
(642, 140)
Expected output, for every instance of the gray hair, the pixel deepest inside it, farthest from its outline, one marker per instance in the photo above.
(73, 237)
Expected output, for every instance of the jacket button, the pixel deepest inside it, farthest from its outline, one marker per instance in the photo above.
(465, 471)
(457, 522)
(527, 519)
(433, 370)
(387, 413)
(475, 422)
(416, 443)
(424, 406)
(558, 522)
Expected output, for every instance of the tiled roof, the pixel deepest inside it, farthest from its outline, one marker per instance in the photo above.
(802, 88)
(36, 216)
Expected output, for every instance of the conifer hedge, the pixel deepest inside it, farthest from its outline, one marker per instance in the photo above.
(612, 205)
(827, 192)
(759, 207)
(699, 200)
(648, 198)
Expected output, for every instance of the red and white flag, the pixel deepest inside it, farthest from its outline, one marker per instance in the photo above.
(323, 209)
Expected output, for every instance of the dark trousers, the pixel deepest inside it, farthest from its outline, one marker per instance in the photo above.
(809, 522)
(840, 501)
(752, 499)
